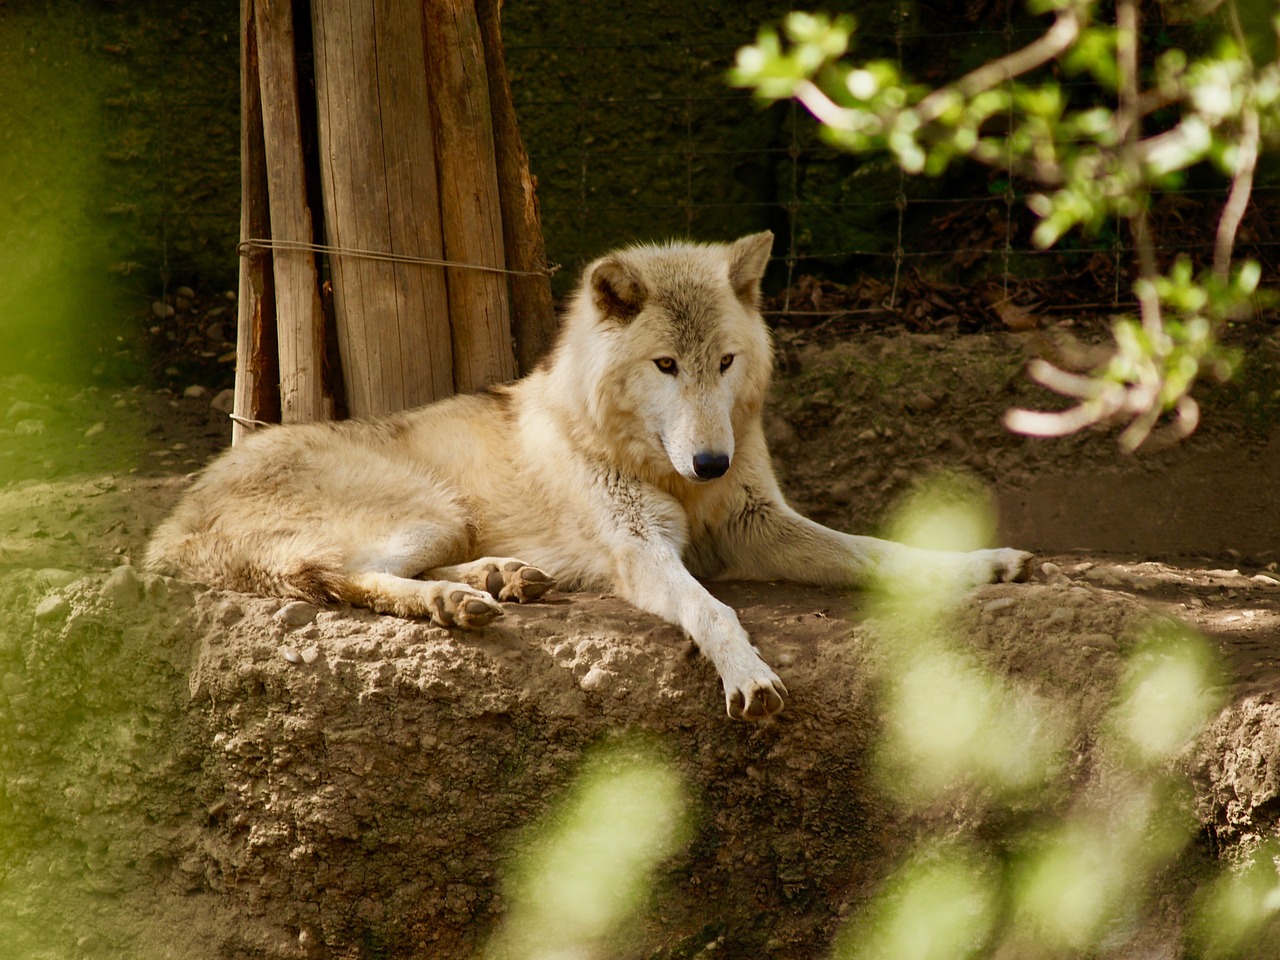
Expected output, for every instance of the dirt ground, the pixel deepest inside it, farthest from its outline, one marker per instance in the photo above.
(198, 774)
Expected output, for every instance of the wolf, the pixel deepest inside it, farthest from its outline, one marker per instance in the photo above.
(631, 460)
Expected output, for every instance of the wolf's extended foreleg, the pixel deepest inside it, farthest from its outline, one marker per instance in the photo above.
(653, 579)
(770, 541)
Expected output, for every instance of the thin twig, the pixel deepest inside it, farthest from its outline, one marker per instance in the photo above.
(1053, 43)
(1246, 162)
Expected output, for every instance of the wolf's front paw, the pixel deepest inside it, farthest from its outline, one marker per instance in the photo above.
(756, 697)
(1003, 565)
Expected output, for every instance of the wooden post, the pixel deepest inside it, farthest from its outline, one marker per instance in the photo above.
(471, 213)
(300, 321)
(533, 312)
(257, 394)
(378, 173)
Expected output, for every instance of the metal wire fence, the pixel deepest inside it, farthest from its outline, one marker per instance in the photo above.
(635, 133)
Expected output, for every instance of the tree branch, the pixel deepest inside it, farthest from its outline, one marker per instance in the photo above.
(1052, 44)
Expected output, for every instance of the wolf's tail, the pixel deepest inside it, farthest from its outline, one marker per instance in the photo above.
(270, 570)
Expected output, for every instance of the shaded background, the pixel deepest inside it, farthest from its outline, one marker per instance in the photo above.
(119, 171)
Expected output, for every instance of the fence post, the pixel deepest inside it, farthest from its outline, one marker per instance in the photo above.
(379, 180)
(533, 317)
(470, 209)
(299, 317)
(257, 395)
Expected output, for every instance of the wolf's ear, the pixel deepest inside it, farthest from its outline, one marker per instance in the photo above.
(616, 290)
(748, 258)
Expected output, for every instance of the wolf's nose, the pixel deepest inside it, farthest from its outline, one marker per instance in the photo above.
(708, 466)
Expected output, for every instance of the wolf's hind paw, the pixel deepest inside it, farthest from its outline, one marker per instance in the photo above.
(504, 578)
(461, 606)
(516, 580)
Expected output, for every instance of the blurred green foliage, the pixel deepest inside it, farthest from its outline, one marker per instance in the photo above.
(587, 868)
(56, 294)
(1067, 879)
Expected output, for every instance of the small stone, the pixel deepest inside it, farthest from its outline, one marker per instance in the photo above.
(228, 612)
(195, 392)
(161, 310)
(56, 577)
(1050, 569)
(29, 428)
(25, 409)
(290, 654)
(185, 292)
(96, 429)
(999, 604)
(1106, 576)
(224, 401)
(122, 587)
(780, 435)
(594, 678)
(840, 492)
(297, 613)
(1098, 641)
(52, 607)
(215, 332)
(920, 403)
(311, 654)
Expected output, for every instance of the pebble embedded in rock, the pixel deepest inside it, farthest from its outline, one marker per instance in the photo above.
(97, 428)
(195, 391)
(920, 403)
(29, 428)
(56, 577)
(24, 410)
(296, 613)
(229, 612)
(122, 588)
(290, 654)
(52, 607)
(594, 679)
(998, 605)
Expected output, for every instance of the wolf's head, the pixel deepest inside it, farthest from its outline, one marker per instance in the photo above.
(668, 353)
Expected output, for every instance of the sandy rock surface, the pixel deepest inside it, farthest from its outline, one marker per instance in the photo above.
(197, 774)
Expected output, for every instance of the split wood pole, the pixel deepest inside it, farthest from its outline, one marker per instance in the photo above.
(299, 317)
(533, 317)
(257, 395)
(379, 182)
(471, 213)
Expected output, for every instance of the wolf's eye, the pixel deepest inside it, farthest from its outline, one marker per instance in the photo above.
(666, 365)
(726, 362)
